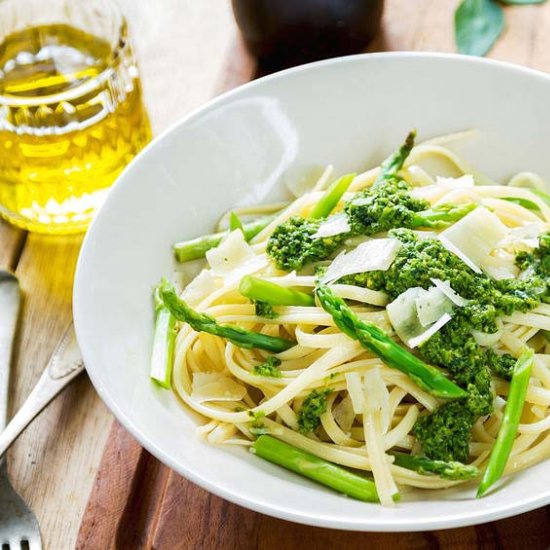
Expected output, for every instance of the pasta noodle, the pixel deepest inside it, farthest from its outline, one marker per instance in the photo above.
(325, 357)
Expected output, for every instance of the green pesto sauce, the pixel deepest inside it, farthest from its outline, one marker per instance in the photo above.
(421, 260)
(538, 261)
(314, 405)
(263, 309)
(386, 205)
(257, 426)
(292, 245)
(445, 434)
(269, 368)
(383, 207)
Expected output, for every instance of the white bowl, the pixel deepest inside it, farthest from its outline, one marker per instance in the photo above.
(238, 149)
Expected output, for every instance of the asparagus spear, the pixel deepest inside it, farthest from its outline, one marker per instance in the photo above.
(163, 343)
(526, 203)
(447, 470)
(330, 199)
(376, 340)
(315, 468)
(441, 216)
(260, 290)
(194, 249)
(510, 422)
(391, 166)
(235, 222)
(204, 323)
(541, 195)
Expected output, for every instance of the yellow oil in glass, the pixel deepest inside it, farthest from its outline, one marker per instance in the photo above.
(71, 118)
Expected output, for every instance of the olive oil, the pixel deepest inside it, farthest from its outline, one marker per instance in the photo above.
(71, 118)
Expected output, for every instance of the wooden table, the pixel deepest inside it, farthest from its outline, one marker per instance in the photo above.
(183, 50)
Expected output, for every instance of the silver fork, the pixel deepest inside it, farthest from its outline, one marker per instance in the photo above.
(18, 525)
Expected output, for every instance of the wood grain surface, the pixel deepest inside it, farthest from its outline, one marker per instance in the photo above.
(54, 464)
(187, 51)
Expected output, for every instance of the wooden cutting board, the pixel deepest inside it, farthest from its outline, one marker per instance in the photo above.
(138, 503)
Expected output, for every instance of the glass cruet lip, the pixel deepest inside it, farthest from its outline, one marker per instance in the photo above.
(118, 42)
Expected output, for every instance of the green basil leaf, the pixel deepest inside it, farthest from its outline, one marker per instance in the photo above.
(521, 2)
(478, 24)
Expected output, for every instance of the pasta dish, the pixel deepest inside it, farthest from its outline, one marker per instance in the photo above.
(384, 330)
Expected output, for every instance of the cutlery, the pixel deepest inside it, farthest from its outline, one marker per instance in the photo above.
(64, 365)
(18, 525)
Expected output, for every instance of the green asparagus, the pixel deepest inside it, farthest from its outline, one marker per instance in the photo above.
(261, 290)
(440, 216)
(541, 195)
(330, 199)
(529, 204)
(526, 203)
(447, 470)
(195, 249)
(235, 222)
(315, 468)
(377, 341)
(510, 422)
(205, 323)
(391, 166)
(164, 335)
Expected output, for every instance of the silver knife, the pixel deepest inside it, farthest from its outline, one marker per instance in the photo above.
(64, 365)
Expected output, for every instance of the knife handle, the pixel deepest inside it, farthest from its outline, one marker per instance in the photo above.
(10, 301)
(64, 365)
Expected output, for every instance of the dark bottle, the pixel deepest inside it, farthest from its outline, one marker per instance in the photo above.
(282, 33)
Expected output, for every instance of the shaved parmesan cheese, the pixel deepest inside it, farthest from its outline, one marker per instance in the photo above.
(523, 238)
(199, 288)
(457, 252)
(234, 257)
(501, 265)
(474, 237)
(445, 287)
(419, 340)
(344, 414)
(355, 391)
(211, 386)
(335, 225)
(403, 315)
(372, 255)
(431, 304)
(227, 255)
